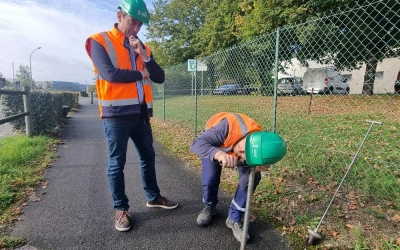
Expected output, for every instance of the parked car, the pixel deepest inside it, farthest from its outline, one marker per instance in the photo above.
(290, 85)
(229, 89)
(247, 90)
(397, 84)
(325, 81)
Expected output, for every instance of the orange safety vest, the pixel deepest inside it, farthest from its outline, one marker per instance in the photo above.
(240, 125)
(119, 99)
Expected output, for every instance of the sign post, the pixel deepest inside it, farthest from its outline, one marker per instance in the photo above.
(195, 65)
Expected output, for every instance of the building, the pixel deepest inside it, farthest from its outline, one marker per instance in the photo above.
(68, 86)
(386, 75)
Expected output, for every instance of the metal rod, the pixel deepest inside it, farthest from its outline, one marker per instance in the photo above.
(348, 169)
(250, 188)
(195, 101)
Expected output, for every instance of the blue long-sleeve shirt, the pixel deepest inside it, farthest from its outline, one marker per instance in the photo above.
(208, 143)
(107, 71)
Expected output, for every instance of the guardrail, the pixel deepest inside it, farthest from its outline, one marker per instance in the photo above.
(27, 109)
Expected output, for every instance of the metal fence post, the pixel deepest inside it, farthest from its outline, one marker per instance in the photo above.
(27, 109)
(164, 102)
(276, 80)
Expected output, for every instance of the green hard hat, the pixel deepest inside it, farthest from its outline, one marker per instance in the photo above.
(136, 9)
(264, 148)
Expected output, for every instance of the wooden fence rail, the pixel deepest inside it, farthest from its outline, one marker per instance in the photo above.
(27, 109)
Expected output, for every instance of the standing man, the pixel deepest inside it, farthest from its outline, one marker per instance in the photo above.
(223, 145)
(123, 65)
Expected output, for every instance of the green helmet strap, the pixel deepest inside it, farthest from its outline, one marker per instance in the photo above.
(136, 8)
(264, 148)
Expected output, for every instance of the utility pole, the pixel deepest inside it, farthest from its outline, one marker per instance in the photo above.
(30, 64)
(13, 73)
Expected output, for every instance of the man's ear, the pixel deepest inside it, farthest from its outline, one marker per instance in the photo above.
(242, 145)
(119, 16)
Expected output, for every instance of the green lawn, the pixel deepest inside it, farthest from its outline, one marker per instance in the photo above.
(322, 136)
(323, 133)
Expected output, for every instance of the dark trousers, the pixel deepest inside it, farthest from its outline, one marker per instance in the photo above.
(211, 174)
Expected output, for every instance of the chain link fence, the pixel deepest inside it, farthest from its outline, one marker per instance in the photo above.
(315, 84)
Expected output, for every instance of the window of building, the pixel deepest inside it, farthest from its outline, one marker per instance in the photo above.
(347, 77)
(379, 75)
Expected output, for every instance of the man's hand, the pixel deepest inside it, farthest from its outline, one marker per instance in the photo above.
(225, 160)
(262, 168)
(145, 73)
(138, 48)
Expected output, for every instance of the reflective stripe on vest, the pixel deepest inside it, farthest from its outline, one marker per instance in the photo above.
(111, 51)
(243, 127)
(119, 102)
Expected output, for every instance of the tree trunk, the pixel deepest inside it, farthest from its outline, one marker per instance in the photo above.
(369, 76)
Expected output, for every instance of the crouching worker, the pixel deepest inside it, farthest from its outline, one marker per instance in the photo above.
(223, 145)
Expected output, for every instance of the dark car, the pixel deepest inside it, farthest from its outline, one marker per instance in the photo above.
(397, 84)
(229, 89)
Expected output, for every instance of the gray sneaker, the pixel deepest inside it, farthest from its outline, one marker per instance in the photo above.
(122, 220)
(206, 215)
(237, 229)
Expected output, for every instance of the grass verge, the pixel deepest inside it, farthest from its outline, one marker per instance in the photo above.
(22, 164)
(322, 141)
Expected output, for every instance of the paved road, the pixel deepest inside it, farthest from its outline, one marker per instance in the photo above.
(5, 129)
(75, 209)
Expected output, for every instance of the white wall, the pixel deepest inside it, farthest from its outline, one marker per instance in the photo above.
(390, 68)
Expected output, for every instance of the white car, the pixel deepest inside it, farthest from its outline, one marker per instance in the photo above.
(290, 85)
(325, 81)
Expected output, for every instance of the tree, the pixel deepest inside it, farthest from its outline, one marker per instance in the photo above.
(185, 29)
(23, 75)
(48, 85)
(92, 88)
(260, 17)
(345, 34)
(9, 83)
(2, 81)
(173, 27)
(219, 28)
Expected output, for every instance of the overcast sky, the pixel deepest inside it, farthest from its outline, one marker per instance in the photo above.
(60, 28)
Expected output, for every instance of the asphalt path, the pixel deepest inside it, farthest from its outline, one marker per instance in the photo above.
(75, 208)
(5, 129)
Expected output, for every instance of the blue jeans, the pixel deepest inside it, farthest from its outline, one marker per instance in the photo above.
(117, 132)
(211, 175)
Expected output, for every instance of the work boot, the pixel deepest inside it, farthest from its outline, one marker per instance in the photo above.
(122, 220)
(237, 229)
(206, 215)
(162, 202)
